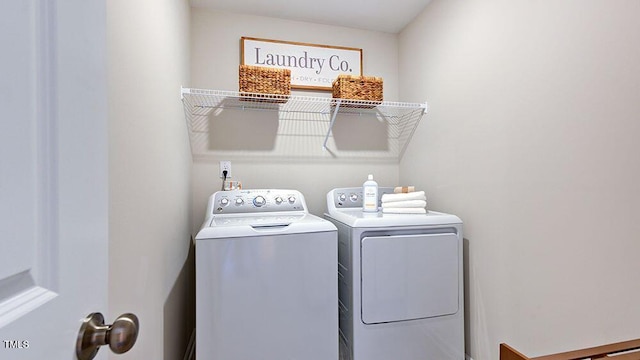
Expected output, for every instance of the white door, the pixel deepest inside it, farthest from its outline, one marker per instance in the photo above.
(53, 175)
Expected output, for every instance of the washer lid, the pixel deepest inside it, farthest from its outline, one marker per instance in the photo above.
(357, 218)
(218, 227)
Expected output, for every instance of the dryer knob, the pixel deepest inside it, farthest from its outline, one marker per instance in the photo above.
(342, 197)
(278, 200)
(292, 199)
(239, 201)
(224, 202)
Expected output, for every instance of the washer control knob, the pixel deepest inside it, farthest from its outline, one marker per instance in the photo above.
(259, 201)
(353, 197)
(278, 200)
(239, 201)
(224, 202)
(342, 197)
(292, 199)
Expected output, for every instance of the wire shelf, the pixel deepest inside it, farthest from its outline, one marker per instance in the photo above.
(297, 127)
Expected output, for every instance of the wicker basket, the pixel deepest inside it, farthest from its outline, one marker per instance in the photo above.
(367, 88)
(262, 80)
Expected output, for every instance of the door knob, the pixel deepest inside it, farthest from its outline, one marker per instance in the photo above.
(120, 336)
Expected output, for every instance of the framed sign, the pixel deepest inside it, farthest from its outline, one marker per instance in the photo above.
(312, 66)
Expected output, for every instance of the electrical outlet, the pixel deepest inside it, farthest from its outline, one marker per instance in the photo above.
(225, 165)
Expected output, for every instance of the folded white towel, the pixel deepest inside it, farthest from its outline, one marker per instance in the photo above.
(404, 210)
(416, 195)
(405, 204)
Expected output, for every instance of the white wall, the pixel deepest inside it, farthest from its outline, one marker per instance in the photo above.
(532, 140)
(149, 174)
(215, 44)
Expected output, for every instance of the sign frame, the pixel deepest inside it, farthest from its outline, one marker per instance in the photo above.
(313, 66)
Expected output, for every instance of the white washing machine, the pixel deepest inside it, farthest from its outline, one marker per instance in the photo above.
(400, 282)
(266, 282)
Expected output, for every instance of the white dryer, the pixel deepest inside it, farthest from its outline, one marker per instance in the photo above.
(400, 282)
(265, 279)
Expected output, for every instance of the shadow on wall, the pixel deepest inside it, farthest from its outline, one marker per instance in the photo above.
(243, 130)
(180, 310)
(360, 133)
(292, 133)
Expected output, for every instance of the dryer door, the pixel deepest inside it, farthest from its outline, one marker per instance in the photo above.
(407, 277)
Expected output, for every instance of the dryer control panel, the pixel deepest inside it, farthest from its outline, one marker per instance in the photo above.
(256, 201)
(352, 197)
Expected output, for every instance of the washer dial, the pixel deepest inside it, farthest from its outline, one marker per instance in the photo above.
(259, 201)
